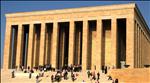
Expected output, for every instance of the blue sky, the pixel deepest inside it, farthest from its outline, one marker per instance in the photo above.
(25, 6)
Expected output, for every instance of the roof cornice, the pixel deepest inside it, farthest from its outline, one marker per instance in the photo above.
(141, 18)
(72, 10)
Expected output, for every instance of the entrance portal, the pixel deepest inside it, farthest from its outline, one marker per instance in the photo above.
(106, 42)
(13, 46)
(63, 43)
(48, 42)
(77, 59)
(121, 41)
(24, 45)
(91, 43)
(37, 30)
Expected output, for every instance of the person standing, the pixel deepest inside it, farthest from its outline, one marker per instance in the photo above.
(83, 81)
(105, 69)
(28, 68)
(13, 74)
(98, 75)
(88, 73)
(37, 79)
(72, 76)
(52, 78)
(116, 81)
(43, 73)
(30, 75)
(93, 75)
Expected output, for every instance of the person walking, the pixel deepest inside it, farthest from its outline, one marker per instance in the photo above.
(37, 79)
(30, 75)
(72, 76)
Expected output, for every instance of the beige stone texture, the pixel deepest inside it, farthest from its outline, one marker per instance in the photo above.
(137, 36)
(114, 42)
(30, 46)
(85, 43)
(19, 45)
(7, 44)
(54, 45)
(130, 41)
(71, 42)
(42, 44)
(136, 75)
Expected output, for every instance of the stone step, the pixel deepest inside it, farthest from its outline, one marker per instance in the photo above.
(81, 76)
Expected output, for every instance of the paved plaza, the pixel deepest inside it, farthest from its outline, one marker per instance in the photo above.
(21, 77)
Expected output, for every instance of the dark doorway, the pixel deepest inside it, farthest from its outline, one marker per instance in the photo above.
(13, 46)
(121, 41)
(77, 59)
(91, 37)
(106, 41)
(48, 42)
(25, 45)
(63, 41)
(37, 30)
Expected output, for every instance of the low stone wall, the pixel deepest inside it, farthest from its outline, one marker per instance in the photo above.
(128, 75)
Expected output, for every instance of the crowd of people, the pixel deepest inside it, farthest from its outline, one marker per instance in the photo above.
(62, 73)
(96, 76)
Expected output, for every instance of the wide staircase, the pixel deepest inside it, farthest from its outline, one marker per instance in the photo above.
(80, 77)
(21, 77)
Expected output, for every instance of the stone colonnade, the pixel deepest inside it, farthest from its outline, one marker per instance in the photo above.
(97, 52)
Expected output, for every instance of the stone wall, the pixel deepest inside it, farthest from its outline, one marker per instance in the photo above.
(137, 75)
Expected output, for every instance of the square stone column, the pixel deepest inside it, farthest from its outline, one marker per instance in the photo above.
(19, 45)
(71, 42)
(54, 44)
(34, 47)
(7, 44)
(114, 42)
(85, 44)
(42, 44)
(136, 43)
(138, 46)
(139, 58)
(99, 45)
(30, 45)
(62, 46)
(130, 41)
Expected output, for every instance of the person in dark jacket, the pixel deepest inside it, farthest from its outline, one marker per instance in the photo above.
(30, 75)
(98, 75)
(13, 74)
(52, 78)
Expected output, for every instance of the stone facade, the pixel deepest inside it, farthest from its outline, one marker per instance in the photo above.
(88, 36)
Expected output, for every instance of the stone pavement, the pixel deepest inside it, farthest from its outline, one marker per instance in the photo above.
(21, 77)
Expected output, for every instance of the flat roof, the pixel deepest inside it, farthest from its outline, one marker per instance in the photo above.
(72, 10)
(82, 9)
